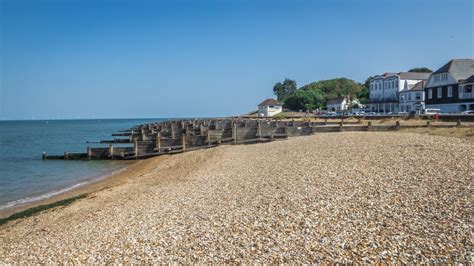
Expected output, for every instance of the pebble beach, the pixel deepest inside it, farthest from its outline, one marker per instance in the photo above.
(350, 197)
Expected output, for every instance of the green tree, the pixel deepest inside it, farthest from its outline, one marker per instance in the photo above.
(305, 100)
(421, 69)
(314, 95)
(334, 88)
(364, 94)
(285, 88)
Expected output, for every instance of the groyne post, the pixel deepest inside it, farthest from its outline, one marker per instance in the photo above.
(234, 132)
(259, 130)
(428, 124)
(208, 137)
(369, 126)
(158, 141)
(89, 153)
(111, 151)
(183, 141)
(66, 155)
(135, 147)
(458, 123)
(397, 125)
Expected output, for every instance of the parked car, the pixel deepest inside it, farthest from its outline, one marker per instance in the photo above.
(402, 113)
(431, 111)
(468, 112)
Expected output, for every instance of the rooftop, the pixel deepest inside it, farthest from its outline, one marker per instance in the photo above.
(269, 101)
(458, 68)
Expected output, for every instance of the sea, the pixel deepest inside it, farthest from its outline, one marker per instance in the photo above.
(26, 178)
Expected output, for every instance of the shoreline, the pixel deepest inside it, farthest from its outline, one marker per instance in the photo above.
(54, 196)
(117, 177)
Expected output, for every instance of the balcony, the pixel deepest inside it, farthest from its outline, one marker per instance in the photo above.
(466, 95)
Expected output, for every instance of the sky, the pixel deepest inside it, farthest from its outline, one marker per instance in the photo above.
(85, 59)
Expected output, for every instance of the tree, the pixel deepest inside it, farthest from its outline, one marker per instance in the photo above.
(282, 90)
(364, 94)
(315, 95)
(334, 88)
(421, 69)
(305, 100)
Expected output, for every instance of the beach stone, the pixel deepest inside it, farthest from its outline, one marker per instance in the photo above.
(349, 197)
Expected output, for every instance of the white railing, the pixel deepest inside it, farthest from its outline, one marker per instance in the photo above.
(466, 95)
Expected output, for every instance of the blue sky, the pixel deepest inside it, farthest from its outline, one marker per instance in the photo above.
(141, 59)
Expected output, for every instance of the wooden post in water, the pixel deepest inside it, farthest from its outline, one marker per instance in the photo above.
(89, 153)
(45, 156)
(66, 155)
(111, 151)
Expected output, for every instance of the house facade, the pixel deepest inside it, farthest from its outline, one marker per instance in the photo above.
(269, 107)
(385, 89)
(412, 98)
(338, 104)
(450, 87)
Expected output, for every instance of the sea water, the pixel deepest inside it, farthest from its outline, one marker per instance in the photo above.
(25, 177)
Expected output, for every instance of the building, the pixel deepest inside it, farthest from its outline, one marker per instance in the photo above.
(413, 98)
(466, 91)
(338, 104)
(385, 89)
(269, 107)
(450, 87)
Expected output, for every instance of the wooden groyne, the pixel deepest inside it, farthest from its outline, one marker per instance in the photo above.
(170, 137)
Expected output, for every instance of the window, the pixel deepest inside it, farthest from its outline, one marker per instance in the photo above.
(430, 93)
(440, 91)
(393, 84)
(409, 96)
(450, 91)
(436, 77)
(444, 76)
(418, 96)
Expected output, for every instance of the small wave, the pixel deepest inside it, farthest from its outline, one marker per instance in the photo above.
(27, 200)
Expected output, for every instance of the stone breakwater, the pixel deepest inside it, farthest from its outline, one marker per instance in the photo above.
(338, 197)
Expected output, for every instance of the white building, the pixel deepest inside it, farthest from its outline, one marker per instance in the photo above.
(412, 98)
(338, 104)
(269, 107)
(385, 89)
